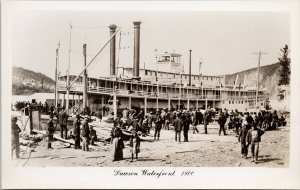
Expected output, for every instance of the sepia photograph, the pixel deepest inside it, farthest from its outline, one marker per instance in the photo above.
(150, 91)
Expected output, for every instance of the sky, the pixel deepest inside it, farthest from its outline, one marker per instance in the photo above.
(223, 41)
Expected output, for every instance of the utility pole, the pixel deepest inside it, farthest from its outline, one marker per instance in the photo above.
(258, 70)
(68, 72)
(56, 80)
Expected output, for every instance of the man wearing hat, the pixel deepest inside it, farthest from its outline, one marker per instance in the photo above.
(15, 130)
(178, 124)
(158, 125)
(50, 131)
(76, 129)
(63, 120)
(85, 133)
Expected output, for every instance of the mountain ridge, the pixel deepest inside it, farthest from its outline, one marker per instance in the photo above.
(26, 81)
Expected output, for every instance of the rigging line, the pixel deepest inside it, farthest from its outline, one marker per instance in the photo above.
(97, 60)
(119, 53)
(70, 85)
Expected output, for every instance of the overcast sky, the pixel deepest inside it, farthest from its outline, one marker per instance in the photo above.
(223, 41)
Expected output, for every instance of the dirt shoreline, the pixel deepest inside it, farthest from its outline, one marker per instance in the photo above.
(202, 150)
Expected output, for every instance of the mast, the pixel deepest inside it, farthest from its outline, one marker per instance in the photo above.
(190, 69)
(84, 96)
(200, 63)
(68, 72)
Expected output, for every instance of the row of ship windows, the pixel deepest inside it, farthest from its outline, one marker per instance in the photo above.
(237, 102)
(174, 75)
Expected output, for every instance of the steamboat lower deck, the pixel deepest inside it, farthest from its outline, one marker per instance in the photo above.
(148, 95)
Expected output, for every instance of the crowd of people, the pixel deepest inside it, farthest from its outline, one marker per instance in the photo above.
(248, 128)
(44, 108)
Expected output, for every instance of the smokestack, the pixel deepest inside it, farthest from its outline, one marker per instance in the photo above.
(136, 54)
(190, 70)
(112, 50)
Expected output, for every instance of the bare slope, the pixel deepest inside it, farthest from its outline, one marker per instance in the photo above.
(268, 77)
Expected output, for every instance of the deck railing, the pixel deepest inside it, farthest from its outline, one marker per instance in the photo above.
(110, 91)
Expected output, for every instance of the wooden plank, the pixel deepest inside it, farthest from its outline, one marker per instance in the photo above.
(55, 136)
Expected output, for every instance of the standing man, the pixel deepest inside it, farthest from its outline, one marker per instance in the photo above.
(167, 120)
(236, 124)
(76, 126)
(15, 130)
(85, 133)
(63, 118)
(186, 126)
(178, 124)
(158, 125)
(51, 130)
(196, 121)
(253, 139)
(206, 121)
(222, 121)
(242, 139)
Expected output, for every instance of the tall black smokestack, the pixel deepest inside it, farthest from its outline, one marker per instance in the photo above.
(112, 50)
(136, 53)
(190, 70)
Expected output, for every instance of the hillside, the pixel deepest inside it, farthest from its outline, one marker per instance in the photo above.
(28, 82)
(268, 77)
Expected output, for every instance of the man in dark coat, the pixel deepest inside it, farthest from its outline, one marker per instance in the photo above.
(178, 124)
(15, 130)
(186, 126)
(236, 123)
(196, 120)
(253, 138)
(85, 133)
(242, 140)
(50, 132)
(76, 126)
(158, 126)
(63, 120)
(206, 119)
(222, 121)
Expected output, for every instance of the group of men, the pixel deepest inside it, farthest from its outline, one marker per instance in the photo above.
(248, 127)
(163, 119)
(81, 130)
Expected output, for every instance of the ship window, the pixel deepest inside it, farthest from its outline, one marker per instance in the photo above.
(229, 102)
(146, 73)
(242, 102)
